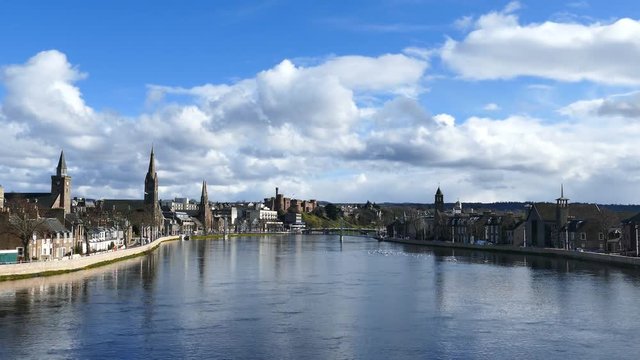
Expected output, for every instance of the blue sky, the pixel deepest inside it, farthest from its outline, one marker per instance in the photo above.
(341, 101)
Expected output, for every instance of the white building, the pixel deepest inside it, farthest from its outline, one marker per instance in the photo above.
(180, 204)
(265, 219)
(101, 239)
(52, 242)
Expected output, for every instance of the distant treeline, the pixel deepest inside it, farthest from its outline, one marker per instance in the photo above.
(512, 206)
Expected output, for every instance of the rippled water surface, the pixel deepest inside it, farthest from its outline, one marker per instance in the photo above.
(292, 297)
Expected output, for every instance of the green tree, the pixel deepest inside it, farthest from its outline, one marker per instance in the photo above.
(332, 211)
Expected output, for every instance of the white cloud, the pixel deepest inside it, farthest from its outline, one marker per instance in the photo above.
(500, 47)
(464, 23)
(394, 73)
(491, 107)
(303, 129)
(42, 90)
(445, 119)
(512, 7)
(622, 105)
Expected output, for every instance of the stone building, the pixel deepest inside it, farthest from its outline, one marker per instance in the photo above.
(570, 226)
(52, 241)
(61, 186)
(58, 199)
(151, 201)
(283, 204)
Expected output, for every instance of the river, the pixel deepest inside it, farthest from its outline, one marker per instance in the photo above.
(293, 297)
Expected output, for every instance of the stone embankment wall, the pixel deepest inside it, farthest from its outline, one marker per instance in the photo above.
(606, 258)
(14, 271)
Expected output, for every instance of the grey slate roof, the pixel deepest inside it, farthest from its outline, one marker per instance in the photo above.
(53, 225)
(44, 200)
(122, 205)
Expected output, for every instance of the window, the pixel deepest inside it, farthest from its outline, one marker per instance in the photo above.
(583, 236)
(601, 236)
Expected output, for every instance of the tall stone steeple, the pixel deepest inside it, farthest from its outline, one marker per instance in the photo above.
(61, 186)
(151, 203)
(61, 170)
(204, 212)
(151, 183)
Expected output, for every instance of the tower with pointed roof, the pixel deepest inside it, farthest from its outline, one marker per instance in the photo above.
(151, 191)
(562, 208)
(151, 183)
(204, 212)
(439, 200)
(61, 186)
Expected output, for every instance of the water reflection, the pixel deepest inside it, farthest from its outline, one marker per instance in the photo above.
(317, 297)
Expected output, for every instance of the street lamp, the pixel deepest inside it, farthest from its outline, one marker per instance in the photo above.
(637, 240)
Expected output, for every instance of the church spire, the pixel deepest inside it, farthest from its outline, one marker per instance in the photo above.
(152, 164)
(61, 170)
(204, 215)
(565, 200)
(204, 190)
(151, 182)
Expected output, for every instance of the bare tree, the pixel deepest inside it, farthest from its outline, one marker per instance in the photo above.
(92, 219)
(24, 222)
(606, 220)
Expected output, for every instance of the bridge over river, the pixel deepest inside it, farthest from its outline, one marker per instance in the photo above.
(368, 232)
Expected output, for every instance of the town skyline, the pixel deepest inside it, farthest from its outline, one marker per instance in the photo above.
(203, 189)
(382, 105)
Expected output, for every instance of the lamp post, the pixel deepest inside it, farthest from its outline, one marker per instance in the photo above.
(637, 240)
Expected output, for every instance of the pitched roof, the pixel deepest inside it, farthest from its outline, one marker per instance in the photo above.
(43, 200)
(53, 225)
(547, 211)
(122, 205)
(62, 165)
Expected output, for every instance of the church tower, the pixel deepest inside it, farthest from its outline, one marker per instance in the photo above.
(439, 200)
(204, 213)
(562, 209)
(151, 191)
(151, 183)
(61, 186)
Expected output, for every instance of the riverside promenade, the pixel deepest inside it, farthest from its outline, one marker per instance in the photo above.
(569, 254)
(44, 268)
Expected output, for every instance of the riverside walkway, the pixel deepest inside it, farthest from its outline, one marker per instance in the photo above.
(42, 268)
(570, 254)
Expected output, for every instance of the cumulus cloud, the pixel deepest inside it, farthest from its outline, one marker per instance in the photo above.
(305, 129)
(501, 47)
(622, 105)
(43, 91)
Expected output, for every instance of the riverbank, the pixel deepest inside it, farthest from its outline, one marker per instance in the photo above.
(46, 268)
(568, 254)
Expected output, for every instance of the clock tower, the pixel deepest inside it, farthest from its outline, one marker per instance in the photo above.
(61, 186)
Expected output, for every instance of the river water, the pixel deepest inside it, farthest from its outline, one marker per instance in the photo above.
(293, 297)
